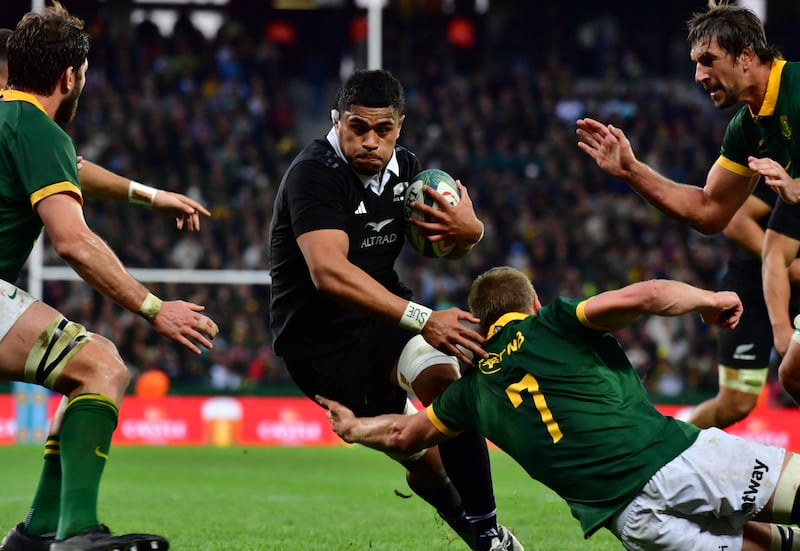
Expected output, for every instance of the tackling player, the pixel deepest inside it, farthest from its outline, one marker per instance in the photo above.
(558, 393)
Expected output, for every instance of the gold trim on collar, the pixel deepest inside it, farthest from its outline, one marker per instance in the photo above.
(773, 87)
(503, 320)
(16, 95)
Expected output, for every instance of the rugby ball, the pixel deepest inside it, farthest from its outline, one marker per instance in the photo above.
(442, 182)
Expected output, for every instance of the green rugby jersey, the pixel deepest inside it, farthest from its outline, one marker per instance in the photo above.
(770, 132)
(562, 399)
(37, 159)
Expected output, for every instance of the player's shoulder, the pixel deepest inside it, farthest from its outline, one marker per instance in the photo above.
(791, 70)
(407, 160)
(317, 156)
(25, 117)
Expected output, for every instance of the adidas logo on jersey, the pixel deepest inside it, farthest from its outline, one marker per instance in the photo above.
(360, 209)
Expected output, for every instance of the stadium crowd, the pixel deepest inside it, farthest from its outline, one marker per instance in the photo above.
(214, 118)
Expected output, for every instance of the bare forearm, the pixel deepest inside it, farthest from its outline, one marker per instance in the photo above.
(674, 298)
(775, 279)
(98, 182)
(616, 309)
(96, 263)
(355, 289)
(683, 202)
(381, 433)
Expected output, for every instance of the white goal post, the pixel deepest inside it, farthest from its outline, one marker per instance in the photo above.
(38, 273)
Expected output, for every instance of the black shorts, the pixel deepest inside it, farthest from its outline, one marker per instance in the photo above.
(749, 346)
(357, 374)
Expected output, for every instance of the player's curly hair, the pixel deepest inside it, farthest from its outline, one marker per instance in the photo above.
(734, 27)
(498, 291)
(42, 46)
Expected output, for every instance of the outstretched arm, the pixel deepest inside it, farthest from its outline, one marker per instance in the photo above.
(613, 310)
(97, 264)
(707, 209)
(404, 434)
(101, 183)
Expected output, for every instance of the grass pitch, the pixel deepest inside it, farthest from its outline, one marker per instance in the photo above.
(290, 499)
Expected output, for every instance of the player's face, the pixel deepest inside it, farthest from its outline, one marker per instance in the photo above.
(367, 136)
(718, 72)
(69, 105)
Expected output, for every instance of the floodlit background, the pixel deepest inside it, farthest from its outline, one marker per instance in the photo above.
(214, 98)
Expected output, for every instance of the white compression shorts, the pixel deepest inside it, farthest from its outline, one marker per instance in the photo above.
(416, 357)
(13, 303)
(702, 499)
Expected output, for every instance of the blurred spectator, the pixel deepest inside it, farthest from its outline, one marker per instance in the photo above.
(220, 119)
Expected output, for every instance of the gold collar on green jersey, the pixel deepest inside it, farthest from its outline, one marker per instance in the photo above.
(503, 320)
(773, 87)
(16, 95)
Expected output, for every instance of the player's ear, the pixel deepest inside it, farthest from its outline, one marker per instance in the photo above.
(334, 116)
(67, 80)
(536, 304)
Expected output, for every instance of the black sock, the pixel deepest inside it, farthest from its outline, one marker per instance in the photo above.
(466, 460)
(484, 529)
(447, 502)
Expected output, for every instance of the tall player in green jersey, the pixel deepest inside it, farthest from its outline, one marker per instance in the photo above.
(735, 64)
(39, 187)
(559, 395)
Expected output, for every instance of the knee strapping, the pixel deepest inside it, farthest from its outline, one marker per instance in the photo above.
(53, 350)
(784, 538)
(418, 355)
(786, 505)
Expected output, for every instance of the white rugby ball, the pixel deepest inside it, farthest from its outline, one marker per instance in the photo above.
(442, 182)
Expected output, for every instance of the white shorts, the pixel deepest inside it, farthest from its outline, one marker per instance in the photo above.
(702, 499)
(13, 303)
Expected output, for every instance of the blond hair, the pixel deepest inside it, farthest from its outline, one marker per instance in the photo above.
(498, 291)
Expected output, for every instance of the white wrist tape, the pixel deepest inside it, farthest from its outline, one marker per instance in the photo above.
(141, 194)
(415, 317)
(483, 232)
(150, 307)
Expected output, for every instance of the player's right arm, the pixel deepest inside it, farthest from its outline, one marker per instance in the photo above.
(325, 253)
(707, 209)
(404, 434)
(100, 182)
(616, 309)
(97, 264)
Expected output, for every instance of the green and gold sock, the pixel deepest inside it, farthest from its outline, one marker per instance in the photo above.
(89, 421)
(43, 516)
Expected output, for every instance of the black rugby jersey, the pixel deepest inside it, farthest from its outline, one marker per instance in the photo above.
(321, 191)
(742, 260)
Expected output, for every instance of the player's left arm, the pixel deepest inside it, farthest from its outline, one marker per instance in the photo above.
(458, 223)
(405, 434)
(101, 183)
(616, 309)
(779, 252)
